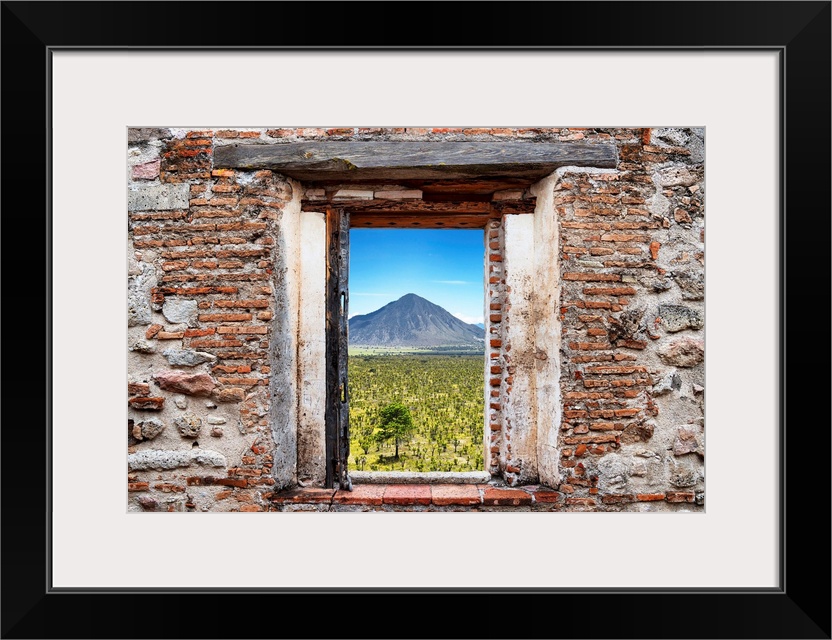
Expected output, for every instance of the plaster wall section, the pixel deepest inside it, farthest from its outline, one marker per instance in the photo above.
(547, 338)
(519, 445)
(284, 345)
(312, 351)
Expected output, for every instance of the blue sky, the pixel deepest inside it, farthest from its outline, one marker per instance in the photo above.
(444, 266)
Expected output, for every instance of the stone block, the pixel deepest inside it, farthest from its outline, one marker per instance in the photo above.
(192, 384)
(685, 352)
(158, 197)
(181, 311)
(187, 357)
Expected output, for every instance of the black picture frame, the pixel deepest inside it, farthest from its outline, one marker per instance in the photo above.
(800, 608)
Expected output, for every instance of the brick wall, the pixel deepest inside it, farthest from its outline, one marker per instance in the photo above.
(203, 297)
(210, 320)
(632, 314)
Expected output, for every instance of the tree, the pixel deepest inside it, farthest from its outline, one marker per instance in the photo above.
(394, 421)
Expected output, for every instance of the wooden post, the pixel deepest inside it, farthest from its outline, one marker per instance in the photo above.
(337, 343)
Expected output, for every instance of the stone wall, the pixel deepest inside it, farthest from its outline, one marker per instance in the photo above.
(632, 309)
(211, 329)
(216, 323)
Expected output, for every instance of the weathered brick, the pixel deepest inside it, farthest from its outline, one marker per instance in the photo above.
(610, 291)
(407, 494)
(649, 497)
(368, 494)
(224, 317)
(305, 495)
(147, 403)
(680, 496)
(585, 502)
(592, 277)
(138, 388)
(494, 496)
(455, 494)
(243, 330)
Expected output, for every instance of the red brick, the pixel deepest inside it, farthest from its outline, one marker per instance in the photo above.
(654, 250)
(170, 335)
(368, 494)
(197, 333)
(166, 487)
(146, 404)
(202, 344)
(624, 237)
(152, 330)
(546, 496)
(603, 226)
(191, 291)
(592, 277)
(599, 438)
(633, 344)
(138, 388)
(232, 482)
(224, 317)
(586, 502)
(243, 330)
(584, 395)
(680, 496)
(495, 496)
(305, 495)
(404, 494)
(455, 494)
(589, 346)
(616, 369)
(138, 486)
(242, 304)
(610, 291)
(649, 497)
(280, 133)
(604, 426)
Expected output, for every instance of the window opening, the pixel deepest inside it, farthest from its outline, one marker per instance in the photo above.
(416, 350)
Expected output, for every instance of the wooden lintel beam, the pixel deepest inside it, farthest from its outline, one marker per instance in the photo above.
(432, 160)
(422, 221)
(399, 207)
(424, 207)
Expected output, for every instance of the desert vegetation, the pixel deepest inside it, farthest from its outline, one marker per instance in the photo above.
(444, 398)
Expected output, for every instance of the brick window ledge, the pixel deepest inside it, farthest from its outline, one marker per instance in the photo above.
(469, 497)
(418, 497)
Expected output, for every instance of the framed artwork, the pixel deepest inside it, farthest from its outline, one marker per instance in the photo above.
(754, 75)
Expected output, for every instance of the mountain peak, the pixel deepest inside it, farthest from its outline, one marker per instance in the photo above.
(413, 321)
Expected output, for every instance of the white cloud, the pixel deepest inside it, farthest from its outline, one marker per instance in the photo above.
(469, 319)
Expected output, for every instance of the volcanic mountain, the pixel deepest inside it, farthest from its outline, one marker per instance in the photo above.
(412, 321)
